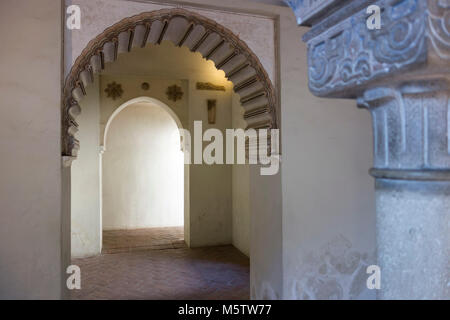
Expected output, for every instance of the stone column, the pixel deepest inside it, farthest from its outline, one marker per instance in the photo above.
(411, 168)
(401, 74)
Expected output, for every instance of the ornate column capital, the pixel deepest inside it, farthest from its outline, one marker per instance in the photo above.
(345, 57)
(410, 130)
(399, 72)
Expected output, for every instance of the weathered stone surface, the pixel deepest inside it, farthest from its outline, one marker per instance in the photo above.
(413, 239)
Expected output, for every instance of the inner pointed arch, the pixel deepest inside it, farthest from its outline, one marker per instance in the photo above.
(143, 99)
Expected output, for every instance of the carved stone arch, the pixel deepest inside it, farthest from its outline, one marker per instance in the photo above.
(183, 28)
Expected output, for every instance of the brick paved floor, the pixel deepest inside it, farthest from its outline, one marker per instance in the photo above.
(115, 241)
(167, 273)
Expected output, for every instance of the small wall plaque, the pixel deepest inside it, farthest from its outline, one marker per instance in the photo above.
(212, 111)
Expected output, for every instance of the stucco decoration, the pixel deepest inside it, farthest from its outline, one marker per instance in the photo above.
(183, 28)
(263, 291)
(209, 86)
(336, 271)
(114, 90)
(174, 93)
(267, 292)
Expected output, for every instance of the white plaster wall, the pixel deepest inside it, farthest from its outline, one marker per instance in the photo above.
(85, 211)
(31, 255)
(266, 247)
(210, 185)
(328, 196)
(241, 210)
(161, 66)
(210, 197)
(328, 201)
(143, 170)
(210, 203)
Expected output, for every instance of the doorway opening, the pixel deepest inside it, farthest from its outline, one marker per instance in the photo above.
(184, 61)
(142, 178)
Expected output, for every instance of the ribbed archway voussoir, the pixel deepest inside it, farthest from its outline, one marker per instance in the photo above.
(183, 28)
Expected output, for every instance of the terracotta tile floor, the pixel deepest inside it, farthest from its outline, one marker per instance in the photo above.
(165, 273)
(116, 241)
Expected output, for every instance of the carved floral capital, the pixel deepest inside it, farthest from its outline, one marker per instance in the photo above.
(345, 57)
